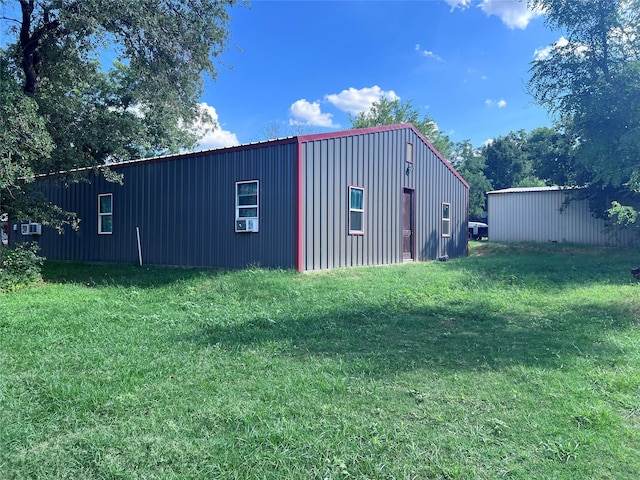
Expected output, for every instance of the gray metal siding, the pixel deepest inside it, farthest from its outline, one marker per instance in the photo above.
(543, 216)
(376, 161)
(185, 205)
(185, 209)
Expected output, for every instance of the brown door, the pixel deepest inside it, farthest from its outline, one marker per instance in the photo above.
(407, 225)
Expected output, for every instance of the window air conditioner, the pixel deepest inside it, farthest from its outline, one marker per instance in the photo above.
(247, 225)
(31, 229)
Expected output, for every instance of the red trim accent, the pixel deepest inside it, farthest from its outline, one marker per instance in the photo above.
(165, 158)
(364, 210)
(299, 249)
(383, 128)
(356, 131)
(439, 155)
(466, 227)
(283, 141)
(414, 206)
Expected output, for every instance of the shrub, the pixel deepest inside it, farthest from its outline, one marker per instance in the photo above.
(20, 266)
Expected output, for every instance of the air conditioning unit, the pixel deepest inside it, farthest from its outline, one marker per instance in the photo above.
(247, 225)
(31, 229)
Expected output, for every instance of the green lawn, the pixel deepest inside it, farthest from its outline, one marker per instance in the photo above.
(517, 362)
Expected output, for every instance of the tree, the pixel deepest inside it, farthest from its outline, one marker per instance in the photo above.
(113, 80)
(274, 130)
(470, 163)
(550, 153)
(591, 80)
(389, 112)
(506, 162)
(23, 139)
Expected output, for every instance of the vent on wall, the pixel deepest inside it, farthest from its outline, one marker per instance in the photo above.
(247, 225)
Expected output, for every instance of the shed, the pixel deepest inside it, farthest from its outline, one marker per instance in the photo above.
(548, 214)
(371, 196)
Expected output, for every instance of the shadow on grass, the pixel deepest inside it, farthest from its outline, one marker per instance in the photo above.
(446, 337)
(554, 265)
(387, 333)
(121, 275)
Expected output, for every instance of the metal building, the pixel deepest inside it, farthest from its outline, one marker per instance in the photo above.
(547, 214)
(371, 196)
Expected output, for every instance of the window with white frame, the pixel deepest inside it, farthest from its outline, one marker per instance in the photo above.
(105, 214)
(247, 206)
(446, 220)
(356, 210)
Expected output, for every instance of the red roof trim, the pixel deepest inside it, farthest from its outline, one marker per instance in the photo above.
(283, 141)
(180, 156)
(383, 128)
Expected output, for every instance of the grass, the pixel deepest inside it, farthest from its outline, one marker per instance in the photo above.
(520, 361)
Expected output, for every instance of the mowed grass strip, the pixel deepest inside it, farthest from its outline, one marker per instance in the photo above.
(520, 361)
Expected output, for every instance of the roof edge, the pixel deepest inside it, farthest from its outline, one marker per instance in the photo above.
(383, 128)
(173, 156)
(552, 188)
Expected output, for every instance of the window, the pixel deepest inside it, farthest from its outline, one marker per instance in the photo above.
(446, 220)
(247, 206)
(356, 210)
(105, 213)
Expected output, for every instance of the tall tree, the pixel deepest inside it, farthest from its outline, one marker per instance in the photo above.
(506, 163)
(23, 139)
(389, 112)
(113, 80)
(590, 79)
(550, 153)
(470, 163)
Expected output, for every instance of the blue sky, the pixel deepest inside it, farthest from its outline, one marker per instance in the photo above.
(302, 66)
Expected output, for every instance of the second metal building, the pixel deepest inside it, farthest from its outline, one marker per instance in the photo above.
(371, 196)
(549, 214)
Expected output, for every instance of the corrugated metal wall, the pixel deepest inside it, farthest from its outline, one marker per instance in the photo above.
(375, 159)
(185, 208)
(185, 205)
(541, 215)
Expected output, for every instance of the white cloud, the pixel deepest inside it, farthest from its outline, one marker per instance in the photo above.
(513, 13)
(355, 101)
(310, 114)
(459, 3)
(212, 136)
(498, 103)
(562, 43)
(542, 53)
(428, 53)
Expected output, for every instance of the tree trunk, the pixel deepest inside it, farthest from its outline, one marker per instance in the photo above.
(30, 43)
